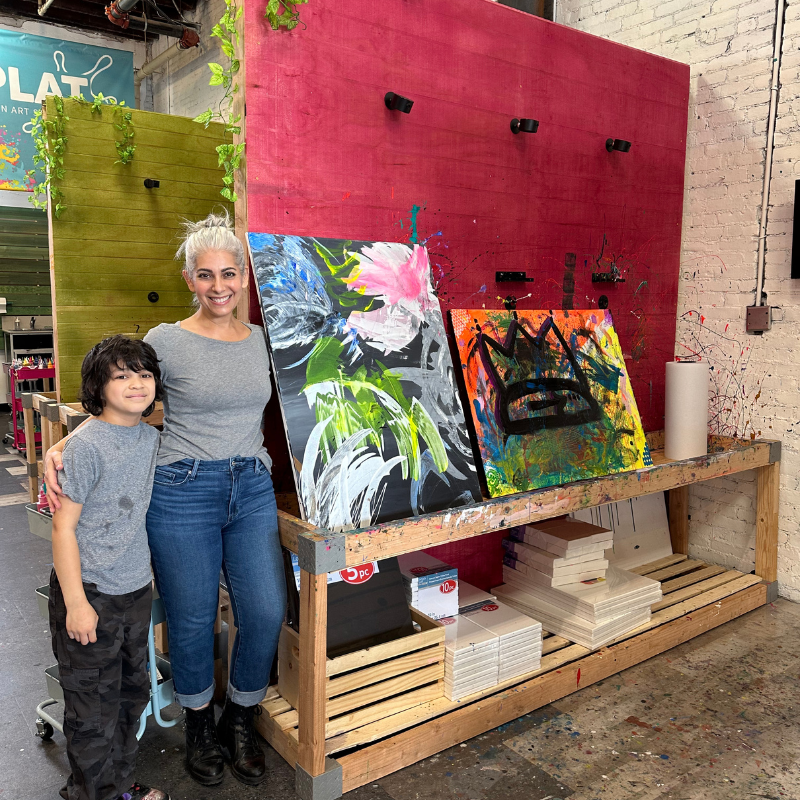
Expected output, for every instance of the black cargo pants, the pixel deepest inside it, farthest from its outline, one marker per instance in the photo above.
(106, 688)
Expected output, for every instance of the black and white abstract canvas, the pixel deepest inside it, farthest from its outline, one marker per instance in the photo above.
(374, 422)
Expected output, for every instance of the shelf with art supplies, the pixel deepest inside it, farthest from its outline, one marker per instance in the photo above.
(26, 374)
(386, 464)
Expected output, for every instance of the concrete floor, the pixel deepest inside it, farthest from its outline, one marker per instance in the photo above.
(711, 719)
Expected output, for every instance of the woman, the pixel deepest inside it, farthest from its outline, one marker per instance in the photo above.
(213, 505)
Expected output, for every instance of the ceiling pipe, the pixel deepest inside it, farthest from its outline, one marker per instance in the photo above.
(43, 8)
(189, 39)
(117, 12)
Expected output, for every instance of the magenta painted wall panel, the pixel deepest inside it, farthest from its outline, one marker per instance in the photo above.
(326, 158)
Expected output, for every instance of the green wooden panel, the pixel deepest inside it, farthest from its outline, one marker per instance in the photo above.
(184, 205)
(23, 302)
(29, 290)
(9, 279)
(81, 145)
(110, 298)
(29, 310)
(28, 228)
(97, 265)
(24, 265)
(130, 251)
(24, 261)
(116, 240)
(196, 139)
(140, 167)
(146, 120)
(133, 186)
(132, 217)
(159, 282)
(122, 235)
(26, 253)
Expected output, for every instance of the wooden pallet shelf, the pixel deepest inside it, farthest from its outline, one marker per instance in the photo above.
(695, 588)
(386, 736)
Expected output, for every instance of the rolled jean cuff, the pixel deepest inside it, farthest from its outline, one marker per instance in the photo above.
(196, 700)
(246, 699)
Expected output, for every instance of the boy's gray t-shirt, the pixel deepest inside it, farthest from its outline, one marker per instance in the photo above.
(215, 393)
(109, 470)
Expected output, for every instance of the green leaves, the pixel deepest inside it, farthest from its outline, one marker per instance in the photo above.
(51, 143)
(280, 13)
(283, 13)
(124, 123)
(217, 74)
(229, 156)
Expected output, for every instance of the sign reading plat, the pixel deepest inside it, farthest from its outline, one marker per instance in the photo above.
(375, 426)
(31, 67)
(550, 397)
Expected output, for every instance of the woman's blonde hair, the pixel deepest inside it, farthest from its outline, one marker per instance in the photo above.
(215, 232)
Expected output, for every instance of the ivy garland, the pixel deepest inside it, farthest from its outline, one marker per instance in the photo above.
(51, 145)
(123, 123)
(229, 156)
(279, 13)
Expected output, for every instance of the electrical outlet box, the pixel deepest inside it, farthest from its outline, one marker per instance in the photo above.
(759, 319)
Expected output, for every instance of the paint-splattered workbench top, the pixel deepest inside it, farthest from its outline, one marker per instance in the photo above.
(725, 456)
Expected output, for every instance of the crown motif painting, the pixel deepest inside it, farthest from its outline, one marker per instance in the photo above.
(550, 397)
(373, 418)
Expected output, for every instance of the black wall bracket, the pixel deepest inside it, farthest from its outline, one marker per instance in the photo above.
(607, 277)
(512, 277)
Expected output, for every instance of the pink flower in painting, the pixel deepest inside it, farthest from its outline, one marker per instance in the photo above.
(388, 270)
(401, 279)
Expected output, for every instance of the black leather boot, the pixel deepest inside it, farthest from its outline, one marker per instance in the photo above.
(240, 744)
(204, 761)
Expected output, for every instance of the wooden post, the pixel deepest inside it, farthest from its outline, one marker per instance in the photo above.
(768, 480)
(43, 426)
(679, 519)
(53, 422)
(30, 447)
(240, 175)
(313, 655)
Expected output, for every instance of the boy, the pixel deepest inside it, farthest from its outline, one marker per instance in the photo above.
(100, 587)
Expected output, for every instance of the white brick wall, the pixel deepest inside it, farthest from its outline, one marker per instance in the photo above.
(181, 86)
(728, 44)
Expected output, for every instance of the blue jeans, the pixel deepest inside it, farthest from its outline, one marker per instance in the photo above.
(203, 516)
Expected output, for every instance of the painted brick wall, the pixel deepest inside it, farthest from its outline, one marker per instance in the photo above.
(728, 44)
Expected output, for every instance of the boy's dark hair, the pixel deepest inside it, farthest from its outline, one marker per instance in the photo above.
(117, 351)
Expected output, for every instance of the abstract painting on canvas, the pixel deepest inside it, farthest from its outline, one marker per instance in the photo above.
(375, 426)
(550, 397)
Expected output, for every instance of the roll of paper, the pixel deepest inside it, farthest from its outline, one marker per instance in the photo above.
(686, 410)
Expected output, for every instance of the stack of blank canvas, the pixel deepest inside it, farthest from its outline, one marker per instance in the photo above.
(470, 657)
(431, 585)
(519, 637)
(591, 610)
(558, 553)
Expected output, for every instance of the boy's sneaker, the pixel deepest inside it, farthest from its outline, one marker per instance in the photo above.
(139, 792)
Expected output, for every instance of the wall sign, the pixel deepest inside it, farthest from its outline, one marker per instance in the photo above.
(31, 67)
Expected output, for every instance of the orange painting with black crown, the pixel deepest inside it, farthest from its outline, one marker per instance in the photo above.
(550, 397)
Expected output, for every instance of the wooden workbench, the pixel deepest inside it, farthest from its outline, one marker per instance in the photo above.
(697, 597)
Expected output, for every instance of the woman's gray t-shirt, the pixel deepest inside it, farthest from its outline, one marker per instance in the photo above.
(214, 394)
